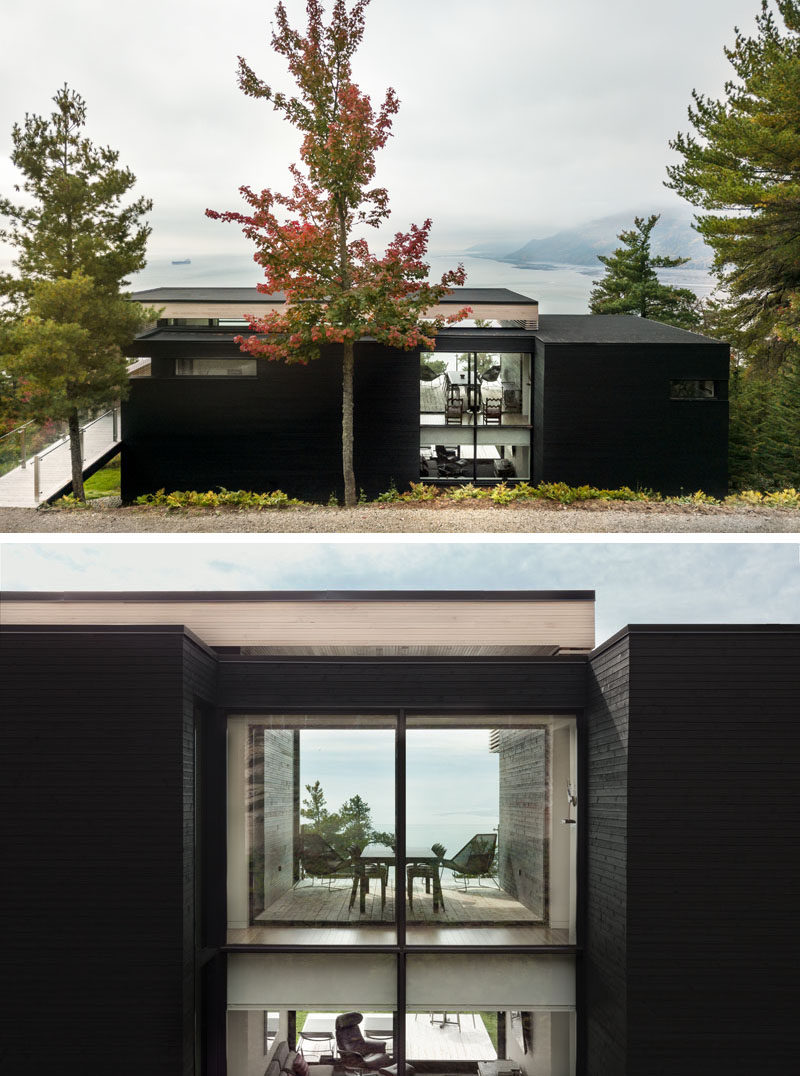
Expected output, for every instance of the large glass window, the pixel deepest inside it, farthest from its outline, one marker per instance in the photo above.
(483, 855)
(475, 410)
(306, 796)
(491, 847)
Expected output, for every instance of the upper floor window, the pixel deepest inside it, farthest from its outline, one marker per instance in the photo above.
(693, 389)
(216, 367)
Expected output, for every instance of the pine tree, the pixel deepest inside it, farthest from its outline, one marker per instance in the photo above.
(64, 357)
(742, 166)
(631, 285)
(310, 243)
(73, 230)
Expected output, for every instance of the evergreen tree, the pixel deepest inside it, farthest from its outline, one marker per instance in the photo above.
(73, 230)
(355, 820)
(64, 356)
(742, 165)
(631, 285)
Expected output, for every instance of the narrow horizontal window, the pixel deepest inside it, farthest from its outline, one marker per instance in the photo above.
(238, 367)
(693, 389)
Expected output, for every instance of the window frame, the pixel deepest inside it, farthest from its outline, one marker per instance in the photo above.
(402, 947)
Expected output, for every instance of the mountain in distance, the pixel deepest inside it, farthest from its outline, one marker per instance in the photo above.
(673, 236)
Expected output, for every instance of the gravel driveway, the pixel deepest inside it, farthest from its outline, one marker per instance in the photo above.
(531, 518)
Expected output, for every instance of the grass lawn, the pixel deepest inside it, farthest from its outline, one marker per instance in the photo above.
(105, 482)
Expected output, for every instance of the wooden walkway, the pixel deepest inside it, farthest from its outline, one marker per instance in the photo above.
(49, 472)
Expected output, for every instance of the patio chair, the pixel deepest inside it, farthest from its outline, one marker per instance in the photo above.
(362, 872)
(432, 873)
(475, 859)
(453, 411)
(492, 411)
(318, 859)
(313, 1036)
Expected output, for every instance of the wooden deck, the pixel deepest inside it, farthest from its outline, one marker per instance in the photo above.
(426, 1040)
(316, 905)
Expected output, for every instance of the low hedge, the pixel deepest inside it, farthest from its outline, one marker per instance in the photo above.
(500, 494)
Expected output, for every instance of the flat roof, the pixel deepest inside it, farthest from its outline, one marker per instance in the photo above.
(297, 595)
(456, 296)
(333, 623)
(612, 329)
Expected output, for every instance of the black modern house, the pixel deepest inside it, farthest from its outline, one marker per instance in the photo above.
(166, 912)
(583, 399)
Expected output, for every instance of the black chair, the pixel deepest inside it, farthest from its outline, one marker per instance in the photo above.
(362, 872)
(448, 464)
(354, 1049)
(475, 859)
(318, 859)
(363, 1053)
(432, 873)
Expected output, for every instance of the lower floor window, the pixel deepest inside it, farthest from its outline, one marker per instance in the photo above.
(498, 1014)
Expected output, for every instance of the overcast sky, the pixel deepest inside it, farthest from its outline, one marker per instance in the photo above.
(516, 117)
(636, 582)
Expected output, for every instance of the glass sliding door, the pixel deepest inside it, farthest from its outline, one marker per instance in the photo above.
(475, 416)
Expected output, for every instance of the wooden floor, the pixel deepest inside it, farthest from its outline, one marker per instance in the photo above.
(316, 905)
(377, 934)
(315, 915)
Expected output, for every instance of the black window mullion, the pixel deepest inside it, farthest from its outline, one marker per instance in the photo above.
(400, 890)
(473, 395)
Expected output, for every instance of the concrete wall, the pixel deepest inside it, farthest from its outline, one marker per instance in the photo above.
(524, 756)
(278, 812)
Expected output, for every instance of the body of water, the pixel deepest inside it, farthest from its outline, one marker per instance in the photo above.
(559, 289)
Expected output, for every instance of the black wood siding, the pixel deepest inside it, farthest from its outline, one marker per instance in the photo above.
(254, 684)
(713, 870)
(605, 418)
(96, 862)
(199, 695)
(280, 430)
(606, 882)
(691, 948)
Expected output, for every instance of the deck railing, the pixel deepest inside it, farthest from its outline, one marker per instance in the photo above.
(49, 465)
(20, 445)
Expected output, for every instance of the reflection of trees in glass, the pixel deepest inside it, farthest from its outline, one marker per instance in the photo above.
(429, 367)
(350, 825)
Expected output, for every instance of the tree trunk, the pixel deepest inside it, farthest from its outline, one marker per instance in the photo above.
(76, 455)
(348, 363)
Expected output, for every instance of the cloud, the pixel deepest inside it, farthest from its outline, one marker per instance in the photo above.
(635, 582)
(520, 115)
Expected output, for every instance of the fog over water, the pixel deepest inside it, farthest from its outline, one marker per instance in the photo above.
(559, 289)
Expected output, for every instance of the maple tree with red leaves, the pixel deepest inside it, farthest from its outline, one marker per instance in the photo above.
(336, 290)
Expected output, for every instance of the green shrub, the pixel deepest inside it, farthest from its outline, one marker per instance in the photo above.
(420, 492)
(784, 498)
(470, 492)
(239, 498)
(70, 501)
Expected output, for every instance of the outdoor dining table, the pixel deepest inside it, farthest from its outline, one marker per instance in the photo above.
(381, 854)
